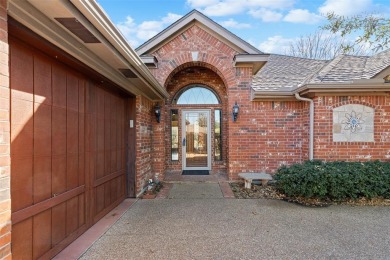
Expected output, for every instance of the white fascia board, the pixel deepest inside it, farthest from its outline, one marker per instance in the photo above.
(150, 61)
(244, 58)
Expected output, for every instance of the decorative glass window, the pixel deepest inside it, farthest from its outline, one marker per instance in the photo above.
(196, 95)
(174, 135)
(217, 135)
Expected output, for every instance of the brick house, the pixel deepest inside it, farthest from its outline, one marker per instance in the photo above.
(85, 120)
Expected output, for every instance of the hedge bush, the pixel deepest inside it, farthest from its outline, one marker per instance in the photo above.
(335, 180)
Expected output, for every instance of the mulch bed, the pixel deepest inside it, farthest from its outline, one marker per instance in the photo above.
(270, 192)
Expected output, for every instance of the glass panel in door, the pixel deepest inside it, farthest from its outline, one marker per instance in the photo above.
(196, 142)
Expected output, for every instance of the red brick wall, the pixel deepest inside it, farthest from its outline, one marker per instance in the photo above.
(215, 58)
(266, 134)
(158, 147)
(144, 142)
(5, 202)
(326, 149)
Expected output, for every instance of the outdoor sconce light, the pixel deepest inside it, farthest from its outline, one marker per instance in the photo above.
(157, 112)
(235, 111)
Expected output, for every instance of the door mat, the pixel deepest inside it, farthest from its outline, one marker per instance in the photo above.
(195, 172)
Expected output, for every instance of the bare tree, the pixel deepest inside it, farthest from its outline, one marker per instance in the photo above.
(322, 46)
(372, 29)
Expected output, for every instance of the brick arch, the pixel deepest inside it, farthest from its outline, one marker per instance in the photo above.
(212, 80)
(212, 62)
(351, 102)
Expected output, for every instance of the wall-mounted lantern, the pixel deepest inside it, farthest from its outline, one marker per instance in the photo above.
(157, 112)
(236, 108)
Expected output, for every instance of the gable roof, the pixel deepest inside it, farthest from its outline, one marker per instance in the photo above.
(171, 31)
(286, 74)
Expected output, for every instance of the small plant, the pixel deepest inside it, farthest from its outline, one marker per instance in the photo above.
(335, 180)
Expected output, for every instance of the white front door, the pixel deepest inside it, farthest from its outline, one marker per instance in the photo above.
(196, 139)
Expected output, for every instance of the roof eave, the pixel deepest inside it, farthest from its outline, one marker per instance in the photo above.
(100, 20)
(256, 61)
(355, 86)
(365, 86)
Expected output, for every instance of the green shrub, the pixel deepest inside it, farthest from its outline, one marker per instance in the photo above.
(335, 180)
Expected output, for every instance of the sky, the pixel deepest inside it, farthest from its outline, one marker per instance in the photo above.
(269, 25)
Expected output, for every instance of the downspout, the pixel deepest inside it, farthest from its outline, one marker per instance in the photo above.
(311, 130)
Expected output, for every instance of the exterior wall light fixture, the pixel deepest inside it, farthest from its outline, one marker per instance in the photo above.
(236, 108)
(157, 112)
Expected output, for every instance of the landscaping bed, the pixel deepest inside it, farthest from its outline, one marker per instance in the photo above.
(270, 192)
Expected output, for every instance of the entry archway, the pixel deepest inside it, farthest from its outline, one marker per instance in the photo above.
(198, 120)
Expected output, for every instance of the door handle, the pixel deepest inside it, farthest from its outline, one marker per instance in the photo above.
(184, 141)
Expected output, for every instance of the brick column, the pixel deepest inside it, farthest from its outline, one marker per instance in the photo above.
(5, 158)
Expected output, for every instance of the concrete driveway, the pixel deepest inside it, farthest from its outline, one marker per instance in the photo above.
(208, 226)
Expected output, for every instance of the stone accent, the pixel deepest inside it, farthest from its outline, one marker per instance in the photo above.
(375, 112)
(5, 160)
(353, 123)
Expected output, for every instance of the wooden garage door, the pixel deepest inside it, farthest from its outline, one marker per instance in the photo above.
(67, 152)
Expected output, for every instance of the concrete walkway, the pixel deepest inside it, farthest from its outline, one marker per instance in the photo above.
(196, 222)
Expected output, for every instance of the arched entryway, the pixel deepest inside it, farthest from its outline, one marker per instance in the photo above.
(197, 120)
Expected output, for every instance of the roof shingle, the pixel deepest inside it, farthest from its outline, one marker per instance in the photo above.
(286, 73)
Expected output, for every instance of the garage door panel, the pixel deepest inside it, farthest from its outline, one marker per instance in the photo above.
(72, 169)
(22, 240)
(81, 174)
(100, 102)
(100, 165)
(81, 133)
(22, 73)
(99, 193)
(42, 238)
(58, 223)
(42, 80)
(59, 85)
(113, 161)
(107, 161)
(107, 193)
(91, 99)
(72, 131)
(91, 124)
(42, 130)
(100, 134)
(72, 92)
(58, 174)
(59, 131)
(81, 95)
(82, 209)
(72, 215)
(21, 183)
(22, 139)
(42, 178)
